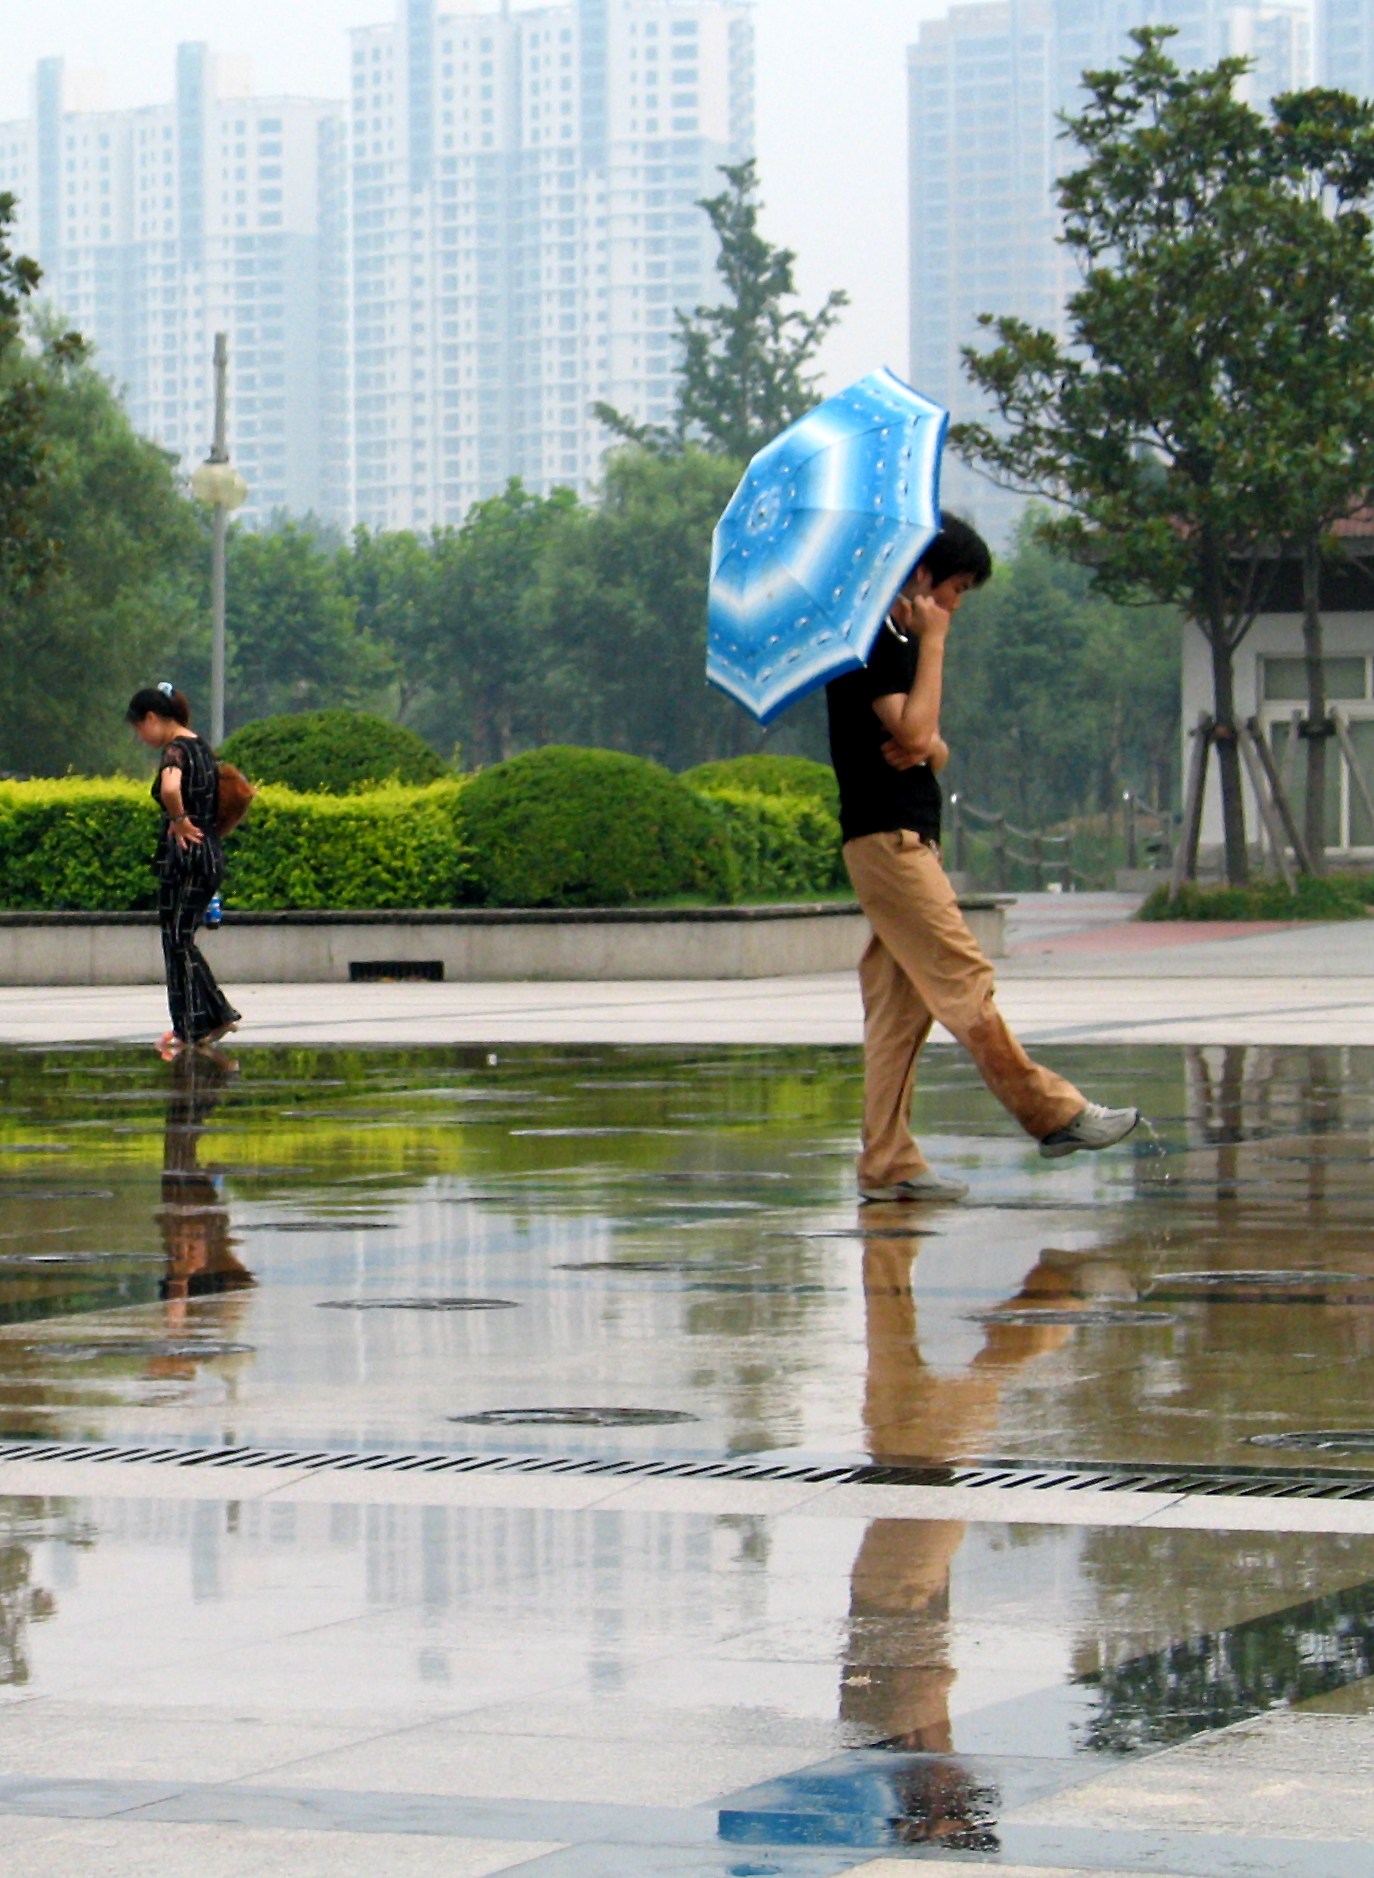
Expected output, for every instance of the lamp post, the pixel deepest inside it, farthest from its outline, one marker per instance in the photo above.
(218, 483)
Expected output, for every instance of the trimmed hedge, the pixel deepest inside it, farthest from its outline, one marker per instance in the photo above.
(335, 752)
(1335, 896)
(574, 827)
(783, 844)
(88, 846)
(557, 827)
(765, 775)
(393, 847)
(77, 842)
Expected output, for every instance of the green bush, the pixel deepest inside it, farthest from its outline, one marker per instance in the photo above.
(332, 752)
(78, 843)
(88, 845)
(575, 827)
(1337, 896)
(783, 844)
(392, 847)
(761, 775)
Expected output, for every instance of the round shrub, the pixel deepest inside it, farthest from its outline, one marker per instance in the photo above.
(572, 827)
(762, 775)
(332, 752)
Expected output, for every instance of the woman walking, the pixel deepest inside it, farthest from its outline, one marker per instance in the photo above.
(189, 863)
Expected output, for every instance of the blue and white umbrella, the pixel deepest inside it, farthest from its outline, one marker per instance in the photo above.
(828, 522)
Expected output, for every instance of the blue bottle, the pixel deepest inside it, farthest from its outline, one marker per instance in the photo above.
(214, 913)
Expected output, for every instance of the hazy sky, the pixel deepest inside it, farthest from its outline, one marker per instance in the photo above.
(831, 120)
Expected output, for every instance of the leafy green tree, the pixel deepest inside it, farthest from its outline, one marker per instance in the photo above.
(1160, 424)
(122, 601)
(291, 626)
(746, 367)
(486, 666)
(1324, 352)
(1055, 698)
(26, 549)
(392, 580)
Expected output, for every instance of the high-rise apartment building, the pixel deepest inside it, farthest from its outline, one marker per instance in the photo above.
(523, 224)
(986, 85)
(157, 228)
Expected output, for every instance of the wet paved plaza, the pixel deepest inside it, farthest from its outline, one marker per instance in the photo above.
(791, 1536)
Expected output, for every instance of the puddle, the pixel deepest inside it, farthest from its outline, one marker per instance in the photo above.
(728, 1273)
(923, 1677)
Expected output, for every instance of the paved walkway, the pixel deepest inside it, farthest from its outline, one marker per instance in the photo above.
(1103, 981)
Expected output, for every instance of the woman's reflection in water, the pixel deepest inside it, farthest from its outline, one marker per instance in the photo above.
(193, 1216)
(898, 1675)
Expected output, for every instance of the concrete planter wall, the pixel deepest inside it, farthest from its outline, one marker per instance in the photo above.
(462, 946)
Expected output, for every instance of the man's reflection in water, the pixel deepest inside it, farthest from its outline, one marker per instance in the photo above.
(898, 1676)
(194, 1219)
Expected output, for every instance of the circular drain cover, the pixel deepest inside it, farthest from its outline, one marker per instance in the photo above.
(668, 1267)
(166, 1348)
(1273, 1280)
(1349, 1440)
(575, 1418)
(418, 1304)
(1093, 1315)
(320, 1225)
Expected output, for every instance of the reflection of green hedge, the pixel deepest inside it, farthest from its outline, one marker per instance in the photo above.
(763, 775)
(1337, 896)
(573, 827)
(88, 845)
(336, 751)
(783, 844)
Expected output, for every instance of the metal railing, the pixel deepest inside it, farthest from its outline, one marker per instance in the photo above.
(1050, 856)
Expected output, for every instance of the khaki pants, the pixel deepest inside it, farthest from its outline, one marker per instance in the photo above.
(923, 966)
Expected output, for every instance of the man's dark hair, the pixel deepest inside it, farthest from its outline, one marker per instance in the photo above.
(957, 549)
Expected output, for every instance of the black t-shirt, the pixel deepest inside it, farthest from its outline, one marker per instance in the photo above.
(874, 797)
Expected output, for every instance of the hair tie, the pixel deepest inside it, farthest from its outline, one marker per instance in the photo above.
(167, 690)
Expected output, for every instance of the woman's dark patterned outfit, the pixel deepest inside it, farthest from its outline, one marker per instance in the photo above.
(189, 876)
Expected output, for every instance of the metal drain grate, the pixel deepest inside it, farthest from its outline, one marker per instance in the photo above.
(1259, 1483)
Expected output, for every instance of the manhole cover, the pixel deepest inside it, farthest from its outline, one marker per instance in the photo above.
(418, 1304)
(57, 1193)
(575, 1418)
(1085, 1318)
(68, 1258)
(1267, 1280)
(167, 1348)
(668, 1268)
(320, 1225)
(1320, 1440)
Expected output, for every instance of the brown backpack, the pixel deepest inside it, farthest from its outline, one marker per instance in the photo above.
(233, 798)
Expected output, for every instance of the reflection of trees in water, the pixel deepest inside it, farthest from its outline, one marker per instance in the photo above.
(22, 1601)
(1226, 1676)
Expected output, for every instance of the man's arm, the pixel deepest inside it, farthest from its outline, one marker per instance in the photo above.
(912, 719)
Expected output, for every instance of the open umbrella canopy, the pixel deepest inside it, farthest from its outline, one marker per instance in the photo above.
(828, 522)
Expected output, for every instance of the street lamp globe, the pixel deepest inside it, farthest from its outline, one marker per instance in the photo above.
(219, 485)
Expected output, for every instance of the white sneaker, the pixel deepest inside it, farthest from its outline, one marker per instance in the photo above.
(927, 1186)
(1095, 1128)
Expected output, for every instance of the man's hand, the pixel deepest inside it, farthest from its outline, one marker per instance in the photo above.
(917, 614)
(899, 757)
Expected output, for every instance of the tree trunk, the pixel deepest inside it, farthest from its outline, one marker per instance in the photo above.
(1228, 760)
(1316, 725)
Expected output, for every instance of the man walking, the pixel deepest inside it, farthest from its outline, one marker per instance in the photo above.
(922, 964)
